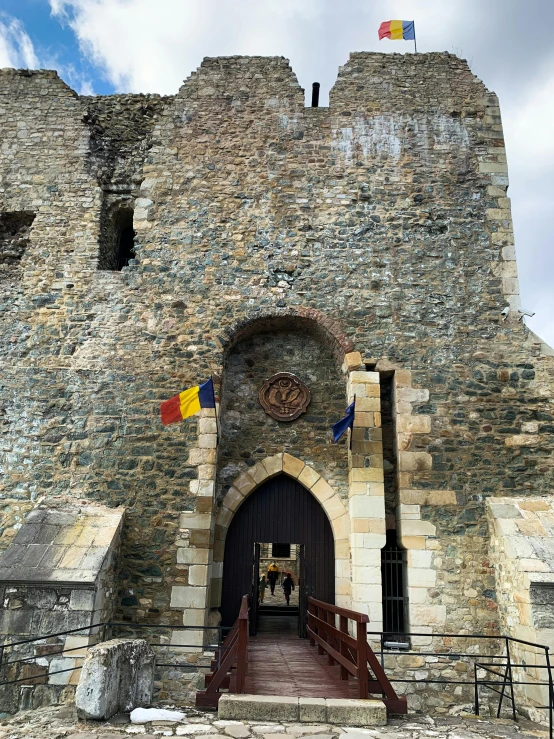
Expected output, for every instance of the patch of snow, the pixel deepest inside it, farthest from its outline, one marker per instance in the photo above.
(144, 715)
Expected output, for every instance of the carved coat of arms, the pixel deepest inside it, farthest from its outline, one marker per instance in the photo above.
(284, 396)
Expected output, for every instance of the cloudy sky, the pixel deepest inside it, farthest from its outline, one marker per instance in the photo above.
(104, 46)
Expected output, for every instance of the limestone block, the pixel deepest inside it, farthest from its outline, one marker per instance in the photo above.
(187, 596)
(408, 512)
(207, 441)
(117, 676)
(258, 473)
(313, 710)
(419, 577)
(366, 575)
(207, 426)
(419, 559)
(428, 497)
(342, 568)
(402, 378)
(414, 461)
(292, 466)
(205, 488)
(416, 528)
(206, 472)
(427, 615)
(198, 575)
(334, 507)
(341, 527)
(413, 424)
(412, 394)
(244, 484)
(364, 378)
(273, 465)
(191, 617)
(192, 520)
(322, 490)
(224, 517)
(352, 361)
(59, 670)
(367, 506)
(342, 547)
(367, 558)
(308, 477)
(192, 556)
(260, 708)
(76, 646)
(417, 595)
(81, 600)
(353, 712)
(522, 440)
(233, 499)
(367, 593)
(413, 542)
(365, 474)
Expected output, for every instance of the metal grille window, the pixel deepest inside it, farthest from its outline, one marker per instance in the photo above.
(392, 578)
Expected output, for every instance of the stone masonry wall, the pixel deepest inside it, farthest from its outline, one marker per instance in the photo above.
(386, 212)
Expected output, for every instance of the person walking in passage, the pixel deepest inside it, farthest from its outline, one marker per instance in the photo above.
(288, 586)
(272, 576)
(262, 585)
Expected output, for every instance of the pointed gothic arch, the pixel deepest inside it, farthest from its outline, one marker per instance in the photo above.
(332, 505)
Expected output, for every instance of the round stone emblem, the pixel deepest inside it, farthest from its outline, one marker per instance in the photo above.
(284, 396)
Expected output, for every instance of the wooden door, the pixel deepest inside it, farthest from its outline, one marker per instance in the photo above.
(302, 593)
(280, 510)
(255, 601)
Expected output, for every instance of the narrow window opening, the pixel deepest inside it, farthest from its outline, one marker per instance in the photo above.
(126, 245)
(281, 551)
(116, 238)
(15, 228)
(392, 580)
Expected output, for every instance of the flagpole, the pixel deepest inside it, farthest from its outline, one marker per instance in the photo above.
(415, 42)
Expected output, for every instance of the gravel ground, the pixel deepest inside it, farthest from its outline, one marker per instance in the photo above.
(57, 722)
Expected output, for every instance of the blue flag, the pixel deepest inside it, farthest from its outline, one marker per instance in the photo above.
(340, 427)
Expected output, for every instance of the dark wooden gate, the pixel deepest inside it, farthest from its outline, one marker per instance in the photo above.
(281, 510)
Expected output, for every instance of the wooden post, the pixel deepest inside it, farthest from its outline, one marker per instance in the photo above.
(331, 621)
(343, 626)
(242, 652)
(321, 616)
(361, 649)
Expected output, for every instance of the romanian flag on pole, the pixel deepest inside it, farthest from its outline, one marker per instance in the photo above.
(188, 403)
(397, 30)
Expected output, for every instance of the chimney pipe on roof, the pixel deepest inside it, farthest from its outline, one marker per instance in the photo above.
(315, 95)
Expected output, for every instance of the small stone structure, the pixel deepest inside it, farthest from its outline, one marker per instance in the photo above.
(340, 711)
(58, 575)
(522, 553)
(117, 676)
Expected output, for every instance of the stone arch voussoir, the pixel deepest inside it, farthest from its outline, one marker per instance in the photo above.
(313, 321)
(284, 463)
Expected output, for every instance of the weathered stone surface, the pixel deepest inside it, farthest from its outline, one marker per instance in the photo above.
(351, 712)
(116, 676)
(258, 707)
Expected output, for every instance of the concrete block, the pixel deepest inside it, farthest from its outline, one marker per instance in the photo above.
(352, 712)
(259, 708)
(312, 710)
(117, 676)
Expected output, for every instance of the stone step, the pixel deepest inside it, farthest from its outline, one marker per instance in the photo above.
(339, 711)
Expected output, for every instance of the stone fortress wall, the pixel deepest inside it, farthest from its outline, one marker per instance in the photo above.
(270, 237)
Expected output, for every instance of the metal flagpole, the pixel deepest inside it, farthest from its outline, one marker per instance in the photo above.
(415, 42)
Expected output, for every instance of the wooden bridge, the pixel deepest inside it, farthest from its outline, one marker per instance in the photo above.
(330, 663)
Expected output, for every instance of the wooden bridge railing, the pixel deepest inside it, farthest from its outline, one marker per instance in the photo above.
(352, 653)
(233, 653)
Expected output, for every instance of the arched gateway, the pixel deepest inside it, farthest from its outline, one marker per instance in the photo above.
(280, 510)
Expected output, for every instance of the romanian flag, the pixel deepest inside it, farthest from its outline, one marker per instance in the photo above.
(188, 403)
(396, 30)
(342, 426)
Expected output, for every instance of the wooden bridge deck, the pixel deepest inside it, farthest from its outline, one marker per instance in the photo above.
(279, 663)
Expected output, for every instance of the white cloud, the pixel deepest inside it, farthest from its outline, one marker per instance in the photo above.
(16, 48)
